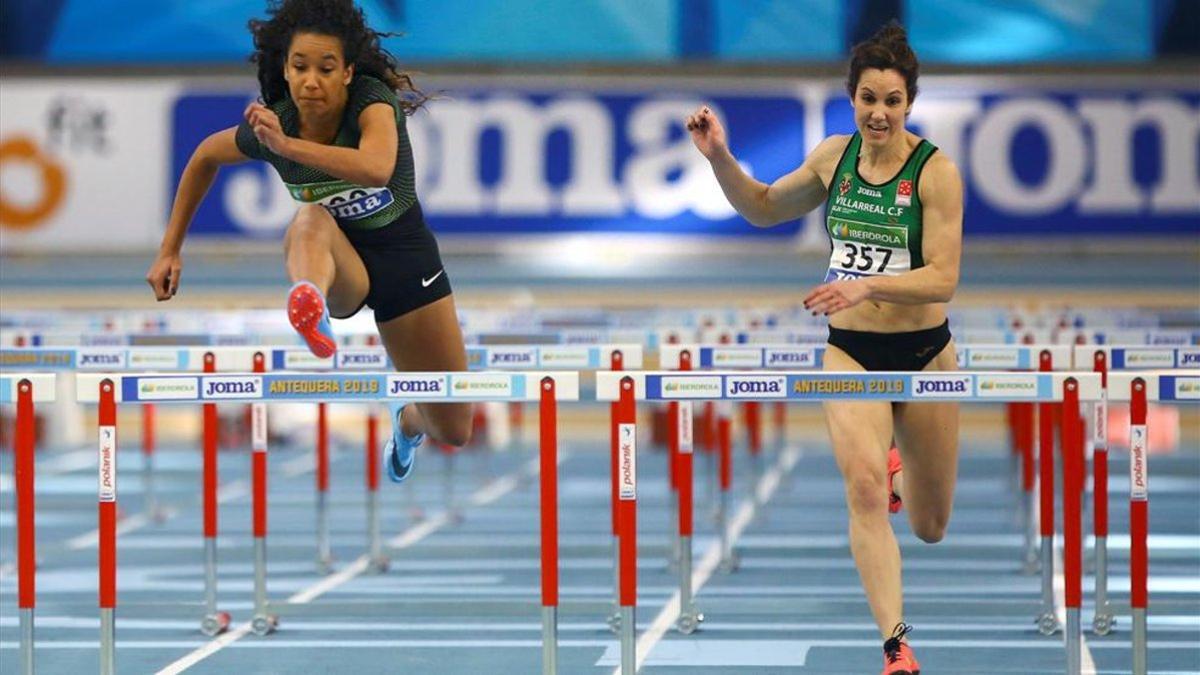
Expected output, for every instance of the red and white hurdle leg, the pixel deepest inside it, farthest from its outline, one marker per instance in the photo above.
(149, 442)
(263, 623)
(548, 488)
(1047, 620)
(23, 468)
(689, 616)
(324, 554)
(1103, 620)
(614, 617)
(1139, 521)
(627, 507)
(1072, 498)
(107, 540)
(214, 621)
(377, 560)
(724, 410)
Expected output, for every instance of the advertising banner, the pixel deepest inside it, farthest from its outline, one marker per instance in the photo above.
(82, 163)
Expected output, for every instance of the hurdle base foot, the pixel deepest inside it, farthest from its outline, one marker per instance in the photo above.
(264, 624)
(614, 621)
(325, 564)
(1048, 624)
(730, 563)
(215, 623)
(688, 622)
(1103, 623)
(379, 564)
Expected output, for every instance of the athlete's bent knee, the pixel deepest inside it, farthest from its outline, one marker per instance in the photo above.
(310, 222)
(866, 494)
(453, 429)
(930, 530)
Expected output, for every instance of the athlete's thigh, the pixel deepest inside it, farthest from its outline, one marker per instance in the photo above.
(428, 339)
(860, 431)
(927, 437)
(314, 226)
(351, 283)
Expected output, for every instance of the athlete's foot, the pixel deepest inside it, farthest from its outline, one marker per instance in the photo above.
(894, 467)
(309, 315)
(401, 449)
(898, 658)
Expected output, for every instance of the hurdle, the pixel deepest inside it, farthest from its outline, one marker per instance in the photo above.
(24, 390)
(1065, 388)
(1105, 359)
(546, 387)
(1140, 388)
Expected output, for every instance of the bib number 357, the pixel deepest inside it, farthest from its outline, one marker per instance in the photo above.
(863, 258)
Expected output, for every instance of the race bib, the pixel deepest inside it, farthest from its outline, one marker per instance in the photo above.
(862, 250)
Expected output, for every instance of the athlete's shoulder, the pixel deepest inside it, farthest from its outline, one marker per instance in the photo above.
(370, 89)
(825, 156)
(939, 166)
(939, 178)
(835, 144)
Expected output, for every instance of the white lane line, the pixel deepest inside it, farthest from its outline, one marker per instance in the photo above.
(1087, 666)
(124, 526)
(712, 557)
(611, 654)
(485, 495)
(228, 492)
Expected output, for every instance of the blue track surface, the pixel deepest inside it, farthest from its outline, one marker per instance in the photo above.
(464, 597)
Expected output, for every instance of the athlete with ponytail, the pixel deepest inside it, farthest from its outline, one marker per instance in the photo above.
(894, 218)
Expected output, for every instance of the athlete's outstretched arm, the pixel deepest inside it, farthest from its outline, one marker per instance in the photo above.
(941, 194)
(212, 153)
(788, 198)
(370, 164)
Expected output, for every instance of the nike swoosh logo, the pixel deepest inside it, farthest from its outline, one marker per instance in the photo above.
(923, 352)
(425, 282)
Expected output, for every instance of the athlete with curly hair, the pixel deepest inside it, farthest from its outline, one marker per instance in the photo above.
(332, 122)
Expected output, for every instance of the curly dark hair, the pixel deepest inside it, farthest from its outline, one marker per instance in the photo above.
(339, 18)
(886, 49)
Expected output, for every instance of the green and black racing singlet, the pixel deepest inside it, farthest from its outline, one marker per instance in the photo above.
(352, 206)
(874, 230)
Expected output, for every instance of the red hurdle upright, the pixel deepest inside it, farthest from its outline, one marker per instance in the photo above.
(689, 616)
(627, 522)
(378, 561)
(1103, 620)
(23, 468)
(324, 556)
(263, 623)
(107, 540)
(548, 480)
(617, 362)
(725, 470)
(214, 622)
(1139, 520)
(1047, 620)
(149, 500)
(1072, 499)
